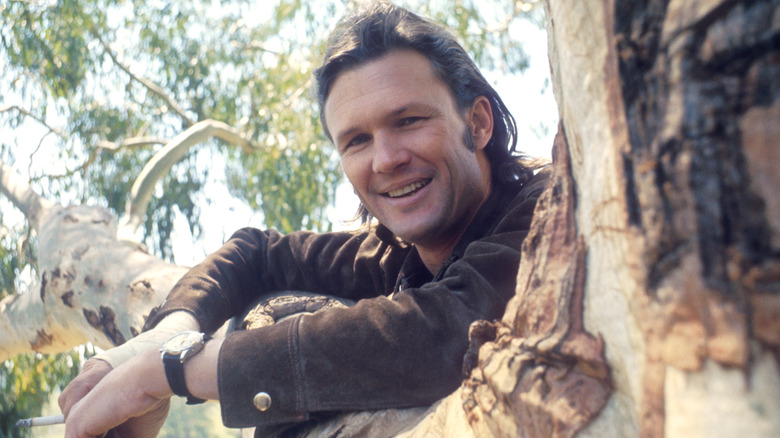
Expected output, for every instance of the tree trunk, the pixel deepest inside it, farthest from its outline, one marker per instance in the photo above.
(648, 300)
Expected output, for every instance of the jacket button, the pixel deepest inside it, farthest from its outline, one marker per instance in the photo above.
(262, 401)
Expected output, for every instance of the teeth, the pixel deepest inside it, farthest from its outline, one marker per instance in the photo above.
(405, 190)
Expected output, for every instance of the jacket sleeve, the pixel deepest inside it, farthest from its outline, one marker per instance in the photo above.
(401, 350)
(253, 263)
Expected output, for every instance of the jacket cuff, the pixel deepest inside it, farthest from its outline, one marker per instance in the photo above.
(263, 363)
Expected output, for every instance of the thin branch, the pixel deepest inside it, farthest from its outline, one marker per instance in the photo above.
(151, 86)
(255, 46)
(68, 173)
(297, 94)
(34, 117)
(110, 146)
(51, 130)
(35, 151)
(132, 142)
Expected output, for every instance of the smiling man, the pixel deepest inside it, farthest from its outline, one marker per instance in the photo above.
(428, 146)
(403, 146)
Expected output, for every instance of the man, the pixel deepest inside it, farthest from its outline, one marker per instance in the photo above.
(428, 147)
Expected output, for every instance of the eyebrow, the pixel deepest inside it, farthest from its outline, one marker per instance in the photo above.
(345, 133)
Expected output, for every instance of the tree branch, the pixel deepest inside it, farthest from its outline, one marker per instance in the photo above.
(23, 320)
(161, 163)
(110, 146)
(19, 192)
(68, 173)
(256, 46)
(92, 287)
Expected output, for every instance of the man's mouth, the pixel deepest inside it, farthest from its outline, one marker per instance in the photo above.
(407, 190)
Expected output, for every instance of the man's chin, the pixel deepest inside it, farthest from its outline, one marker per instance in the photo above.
(417, 232)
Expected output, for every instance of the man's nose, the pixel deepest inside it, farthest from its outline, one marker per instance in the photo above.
(390, 153)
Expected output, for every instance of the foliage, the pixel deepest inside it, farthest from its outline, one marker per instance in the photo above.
(15, 254)
(195, 421)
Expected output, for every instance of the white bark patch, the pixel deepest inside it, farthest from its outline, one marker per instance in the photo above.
(720, 401)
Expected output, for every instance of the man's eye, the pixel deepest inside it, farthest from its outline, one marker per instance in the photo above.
(357, 140)
(406, 121)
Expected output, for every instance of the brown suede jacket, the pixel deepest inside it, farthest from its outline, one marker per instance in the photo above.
(401, 345)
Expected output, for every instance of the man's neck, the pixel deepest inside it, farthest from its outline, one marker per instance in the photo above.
(433, 256)
(433, 259)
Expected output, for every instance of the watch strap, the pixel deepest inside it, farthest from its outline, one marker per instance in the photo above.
(174, 372)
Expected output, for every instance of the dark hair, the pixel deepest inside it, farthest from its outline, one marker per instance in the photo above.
(382, 27)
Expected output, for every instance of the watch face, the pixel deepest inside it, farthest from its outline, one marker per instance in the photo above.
(183, 341)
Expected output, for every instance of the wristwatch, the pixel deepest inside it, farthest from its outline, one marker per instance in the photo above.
(174, 352)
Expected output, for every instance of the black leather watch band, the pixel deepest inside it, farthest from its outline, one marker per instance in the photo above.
(175, 351)
(174, 372)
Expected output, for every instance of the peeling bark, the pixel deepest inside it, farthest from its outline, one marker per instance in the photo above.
(42, 339)
(544, 374)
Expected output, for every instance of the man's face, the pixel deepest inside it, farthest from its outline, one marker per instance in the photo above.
(402, 143)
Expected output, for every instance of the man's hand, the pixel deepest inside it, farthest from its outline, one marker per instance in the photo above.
(91, 373)
(133, 399)
(147, 425)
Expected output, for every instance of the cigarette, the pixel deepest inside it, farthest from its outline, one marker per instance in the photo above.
(41, 421)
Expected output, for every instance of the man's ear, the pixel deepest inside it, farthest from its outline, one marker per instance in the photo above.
(481, 122)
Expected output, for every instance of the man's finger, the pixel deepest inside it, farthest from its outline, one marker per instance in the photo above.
(147, 425)
(91, 373)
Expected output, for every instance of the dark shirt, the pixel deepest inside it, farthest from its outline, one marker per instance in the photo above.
(402, 344)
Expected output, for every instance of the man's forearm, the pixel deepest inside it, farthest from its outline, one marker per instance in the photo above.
(172, 324)
(200, 372)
